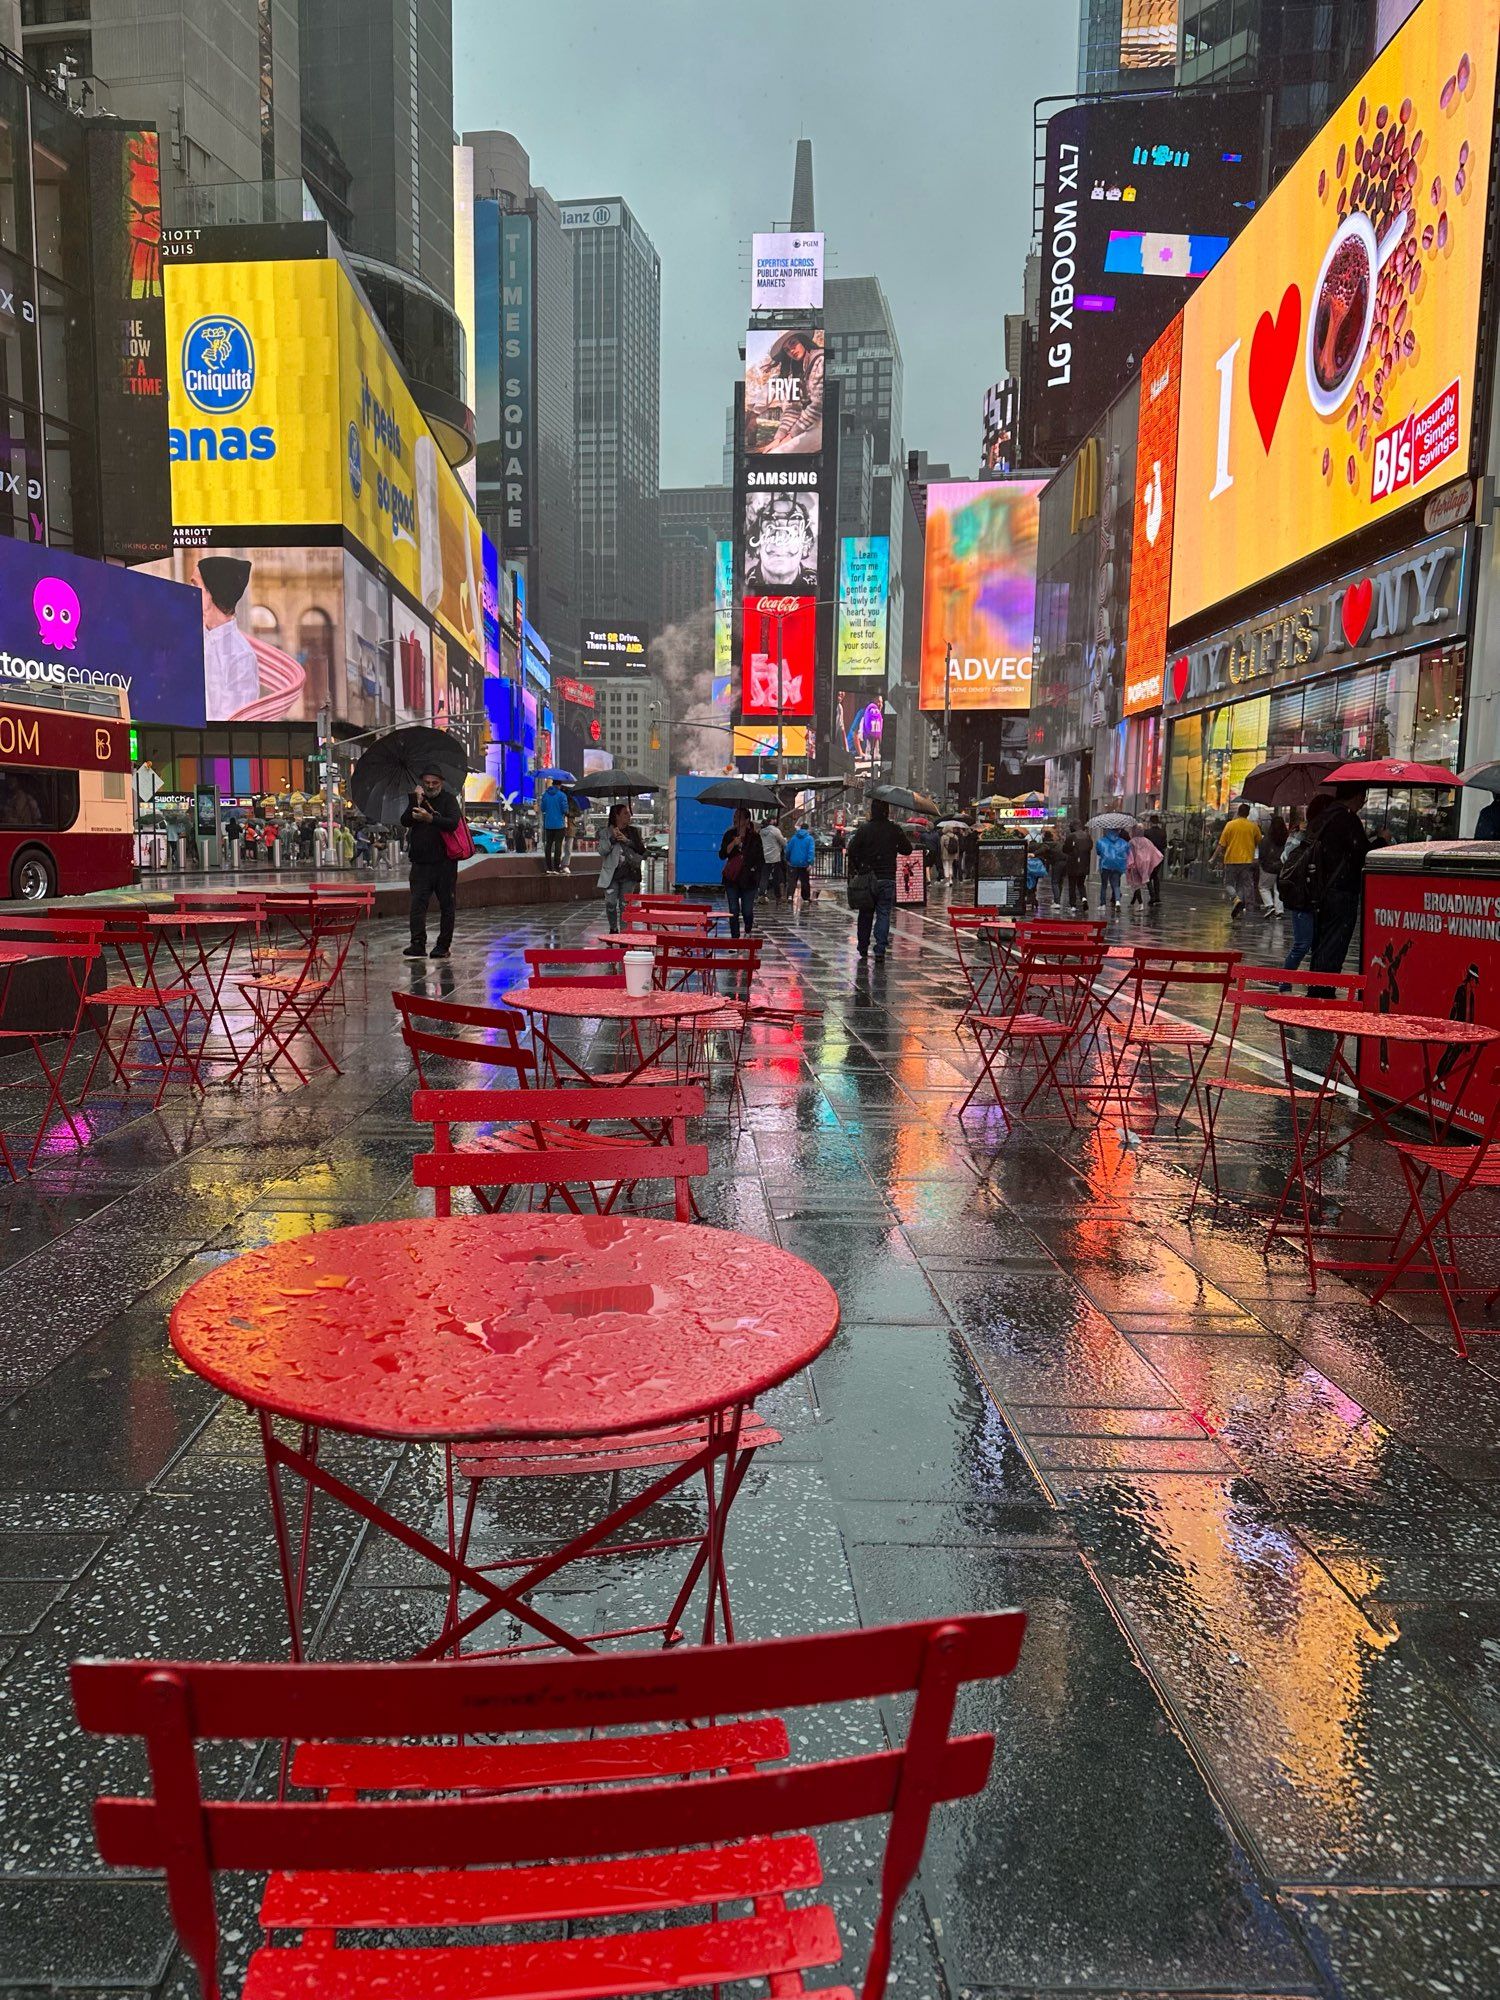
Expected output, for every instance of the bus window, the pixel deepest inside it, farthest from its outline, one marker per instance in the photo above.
(46, 801)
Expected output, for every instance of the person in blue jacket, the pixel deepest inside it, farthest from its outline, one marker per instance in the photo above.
(1113, 850)
(801, 851)
(554, 825)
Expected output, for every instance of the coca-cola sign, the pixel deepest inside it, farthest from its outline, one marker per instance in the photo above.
(778, 653)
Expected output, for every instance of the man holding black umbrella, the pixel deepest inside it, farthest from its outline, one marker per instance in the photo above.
(433, 812)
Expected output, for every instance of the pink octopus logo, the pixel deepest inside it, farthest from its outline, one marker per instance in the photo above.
(57, 613)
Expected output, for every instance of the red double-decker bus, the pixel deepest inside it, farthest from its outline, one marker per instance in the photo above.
(66, 813)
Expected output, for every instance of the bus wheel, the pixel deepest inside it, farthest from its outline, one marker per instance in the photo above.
(33, 875)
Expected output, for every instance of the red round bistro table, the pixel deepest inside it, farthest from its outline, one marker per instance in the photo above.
(670, 1012)
(523, 1335)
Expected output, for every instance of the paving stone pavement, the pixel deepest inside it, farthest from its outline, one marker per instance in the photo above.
(1253, 1746)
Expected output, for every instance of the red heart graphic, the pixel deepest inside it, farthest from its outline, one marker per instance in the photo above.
(1354, 613)
(1179, 677)
(1273, 355)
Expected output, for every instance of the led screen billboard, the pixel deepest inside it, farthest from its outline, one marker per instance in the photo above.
(723, 610)
(864, 600)
(979, 592)
(606, 645)
(781, 540)
(1155, 505)
(1141, 198)
(784, 391)
(787, 272)
(1328, 362)
(287, 409)
(67, 623)
(787, 626)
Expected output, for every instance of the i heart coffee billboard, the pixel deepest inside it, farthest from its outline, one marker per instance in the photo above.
(1328, 365)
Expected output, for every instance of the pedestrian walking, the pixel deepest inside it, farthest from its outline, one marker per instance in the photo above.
(1141, 868)
(1057, 867)
(433, 812)
(1304, 915)
(1272, 847)
(232, 832)
(554, 826)
(1156, 833)
(1077, 852)
(839, 843)
(744, 859)
(877, 845)
(801, 851)
(1487, 826)
(1114, 857)
(773, 845)
(622, 859)
(1342, 844)
(949, 852)
(252, 844)
(1239, 842)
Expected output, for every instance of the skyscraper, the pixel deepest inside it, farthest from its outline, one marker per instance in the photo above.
(218, 78)
(694, 520)
(524, 384)
(1305, 53)
(864, 358)
(617, 410)
(1128, 44)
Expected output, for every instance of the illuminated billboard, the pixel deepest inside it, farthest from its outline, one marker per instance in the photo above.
(723, 609)
(1155, 505)
(781, 540)
(1141, 197)
(759, 739)
(1329, 360)
(864, 601)
(617, 646)
(980, 592)
(784, 628)
(784, 391)
(287, 410)
(787, 272)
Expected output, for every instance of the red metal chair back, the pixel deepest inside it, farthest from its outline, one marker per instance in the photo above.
(1157, 971)
(572, 1816)
(1255, 988)
(589, 966)
(430, 1028)
(588, 1157)
(1056, 976)
(681, 962)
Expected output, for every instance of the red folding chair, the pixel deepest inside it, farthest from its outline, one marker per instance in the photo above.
(601, 966)
(966, 924)
(1437, 1250)
(156, 1011)
(80, 952)
(608, 1806)
(1149, 1031)
(1050, 997)
(283, 1004)
(538, 1158)
(1252, 990)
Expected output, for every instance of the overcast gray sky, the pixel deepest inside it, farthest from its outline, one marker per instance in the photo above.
(920, 113)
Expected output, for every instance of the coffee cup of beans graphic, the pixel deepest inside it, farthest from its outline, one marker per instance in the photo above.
(1343, 308)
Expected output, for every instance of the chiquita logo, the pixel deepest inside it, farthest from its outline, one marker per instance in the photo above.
(218, 365)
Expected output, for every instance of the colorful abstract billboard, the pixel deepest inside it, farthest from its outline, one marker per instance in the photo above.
(723, 610)
(784, 391)
(980, 593)
(1155, 504)
(1329, 360)
(786, 627)
(864, 602)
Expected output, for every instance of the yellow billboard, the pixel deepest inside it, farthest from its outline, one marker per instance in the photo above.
(1328, 359)
(287, 409)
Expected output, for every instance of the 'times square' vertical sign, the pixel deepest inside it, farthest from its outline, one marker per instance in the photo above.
(517, 385)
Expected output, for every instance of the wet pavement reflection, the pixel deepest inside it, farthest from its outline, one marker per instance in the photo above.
(1253, 1746)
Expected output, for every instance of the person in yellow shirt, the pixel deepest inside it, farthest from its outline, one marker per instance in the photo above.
(1237, 848)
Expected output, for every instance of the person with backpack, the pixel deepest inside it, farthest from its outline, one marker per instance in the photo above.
(622, 857)
(1341, 846)
(1292, 888)
(1272, 847)
(1077, 852)
(744, 860)
(1114, 855)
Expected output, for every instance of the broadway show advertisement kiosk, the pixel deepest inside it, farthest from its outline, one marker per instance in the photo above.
(1431, 945)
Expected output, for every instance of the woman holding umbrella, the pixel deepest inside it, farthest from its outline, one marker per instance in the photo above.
(744, 862)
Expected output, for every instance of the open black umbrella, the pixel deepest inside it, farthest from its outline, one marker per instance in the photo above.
(740, 792)
(1287, 781)
(615, 784)
(382, 782)
(899, 799)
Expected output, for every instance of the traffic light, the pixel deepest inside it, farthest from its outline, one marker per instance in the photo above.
(989, 774)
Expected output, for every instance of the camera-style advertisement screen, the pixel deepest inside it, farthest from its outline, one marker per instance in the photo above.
(1142, 197)
(1328, 363)
(980, 592)
(784, 392)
